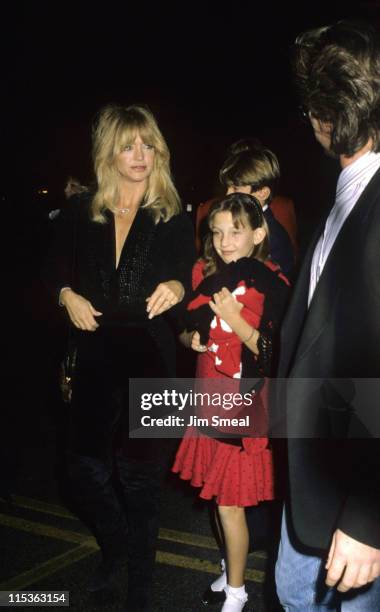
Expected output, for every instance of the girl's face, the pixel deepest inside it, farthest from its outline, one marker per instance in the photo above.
(135, 162)
(230, 242)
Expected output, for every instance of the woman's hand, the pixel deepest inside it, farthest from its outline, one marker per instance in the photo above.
(226, 306)
(164, 296)
(81, 311)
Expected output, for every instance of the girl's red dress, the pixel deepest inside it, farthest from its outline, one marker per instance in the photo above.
(233, 475)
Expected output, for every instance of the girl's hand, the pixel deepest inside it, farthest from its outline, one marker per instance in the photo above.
(165, 296)
(226, 306)
(81, 311)
(196, 343)
(192, 339)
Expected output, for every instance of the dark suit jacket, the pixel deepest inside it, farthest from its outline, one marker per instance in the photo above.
(334, 457)
(281, 249)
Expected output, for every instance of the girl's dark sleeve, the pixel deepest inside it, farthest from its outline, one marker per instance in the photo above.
(276, 300)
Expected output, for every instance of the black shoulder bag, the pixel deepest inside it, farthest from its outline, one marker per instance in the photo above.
(68, 365)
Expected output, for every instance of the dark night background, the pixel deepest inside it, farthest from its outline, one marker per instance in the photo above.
(211, 74)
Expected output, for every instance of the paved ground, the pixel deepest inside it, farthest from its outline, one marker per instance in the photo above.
(44, 547)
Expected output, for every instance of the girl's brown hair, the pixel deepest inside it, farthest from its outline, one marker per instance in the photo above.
(245, 209)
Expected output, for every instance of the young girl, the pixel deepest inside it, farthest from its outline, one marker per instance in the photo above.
(239, 297)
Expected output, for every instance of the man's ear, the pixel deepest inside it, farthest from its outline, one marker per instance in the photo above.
(258, 235)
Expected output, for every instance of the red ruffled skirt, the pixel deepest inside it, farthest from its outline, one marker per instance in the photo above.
(234, 476)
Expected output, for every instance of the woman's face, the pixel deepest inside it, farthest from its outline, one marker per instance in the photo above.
(135, 162)
(230, 242)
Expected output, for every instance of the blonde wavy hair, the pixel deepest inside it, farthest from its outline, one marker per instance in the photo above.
(116, 127)
(245, 209)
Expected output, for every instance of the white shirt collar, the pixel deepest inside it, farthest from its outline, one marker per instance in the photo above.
(352, 181)
(355, 177)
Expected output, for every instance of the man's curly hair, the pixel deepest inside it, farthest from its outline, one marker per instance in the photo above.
(337, 70)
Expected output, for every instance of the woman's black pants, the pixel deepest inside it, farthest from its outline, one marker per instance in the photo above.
(116, 492)
(121, 503)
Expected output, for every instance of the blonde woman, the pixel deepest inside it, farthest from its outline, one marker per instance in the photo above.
(121, 263)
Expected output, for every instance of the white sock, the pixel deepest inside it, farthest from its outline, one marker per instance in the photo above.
(219, 583)
(236, 598)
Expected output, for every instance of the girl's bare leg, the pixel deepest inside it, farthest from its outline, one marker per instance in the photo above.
(236, 538)
(216, 588)
(218, 529)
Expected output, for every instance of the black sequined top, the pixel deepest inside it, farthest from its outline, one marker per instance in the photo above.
(152, 253)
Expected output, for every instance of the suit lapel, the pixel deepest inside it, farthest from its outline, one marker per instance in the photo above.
(294, 320)
(302, 327)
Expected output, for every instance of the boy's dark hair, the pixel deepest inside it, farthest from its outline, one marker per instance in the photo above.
(244, 144)
(256, 167)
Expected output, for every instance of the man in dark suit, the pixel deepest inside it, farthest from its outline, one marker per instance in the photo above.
(329, 555)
